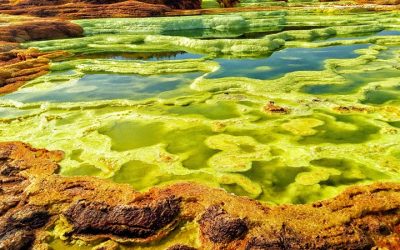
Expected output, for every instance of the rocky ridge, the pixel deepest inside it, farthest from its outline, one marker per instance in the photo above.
(34, 199)
(75, 9)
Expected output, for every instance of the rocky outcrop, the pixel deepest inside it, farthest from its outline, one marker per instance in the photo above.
(220, 227)
(272, 108)
(90, 217)
(179, 5)
(34, 198)
(76, 9)
(18, 231)
(21, 65)
(39, 30)
(181, 247)
(228, 3)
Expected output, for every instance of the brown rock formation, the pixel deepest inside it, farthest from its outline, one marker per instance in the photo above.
(21, 65)
(33, 198)
(228, 3)
(76, 9)
(181, 247)
(39, 30)
(220, 227)
(272, 108)
(350, 109)
(179, 5)
(89, 217)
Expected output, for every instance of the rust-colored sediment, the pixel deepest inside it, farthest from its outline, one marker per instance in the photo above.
(75, 9)
(33, 197)
(79, 9)
(380, 2)
(21, 65)
(272, 108)
(39, 29)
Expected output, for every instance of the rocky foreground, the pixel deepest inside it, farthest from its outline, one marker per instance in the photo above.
(33, 199)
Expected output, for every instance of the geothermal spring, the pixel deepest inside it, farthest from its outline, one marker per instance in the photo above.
(241, 128)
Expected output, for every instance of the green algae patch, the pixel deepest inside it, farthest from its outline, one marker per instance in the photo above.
(205, 115)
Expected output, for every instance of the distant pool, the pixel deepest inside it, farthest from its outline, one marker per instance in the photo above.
(284, 61)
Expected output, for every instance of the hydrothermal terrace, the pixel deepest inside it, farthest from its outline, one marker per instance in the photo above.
(267, 129)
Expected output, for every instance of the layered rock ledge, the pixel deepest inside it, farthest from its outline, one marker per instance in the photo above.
(34, 200)
(21, 65)
(75, 9)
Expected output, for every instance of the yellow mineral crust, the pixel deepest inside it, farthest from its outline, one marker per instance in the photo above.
(121, 109)
(237, 133)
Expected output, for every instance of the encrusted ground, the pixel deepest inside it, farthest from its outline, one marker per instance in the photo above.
(38, 207)
(281, 134)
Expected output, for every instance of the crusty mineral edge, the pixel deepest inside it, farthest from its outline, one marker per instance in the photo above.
(332, 8)
(33, 198)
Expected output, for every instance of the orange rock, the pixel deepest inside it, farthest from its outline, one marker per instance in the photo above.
(21, 65)
(32, 197)
(228, 3)
(379, 2)
(174, 4)
(76, 9)
(272, 108)
(350, 109)
(39, 30)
